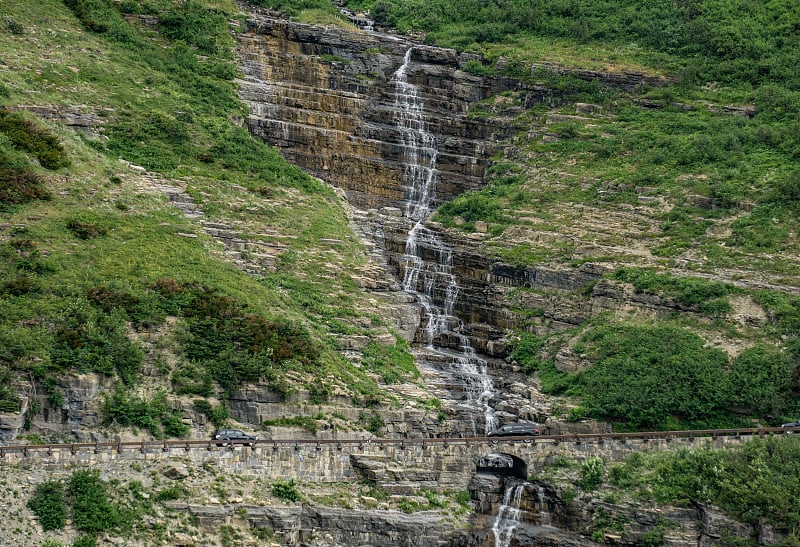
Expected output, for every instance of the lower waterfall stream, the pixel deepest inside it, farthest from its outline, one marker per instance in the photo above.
(428, 262)
(508, 515)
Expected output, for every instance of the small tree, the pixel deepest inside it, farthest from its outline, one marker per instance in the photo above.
(50, 505)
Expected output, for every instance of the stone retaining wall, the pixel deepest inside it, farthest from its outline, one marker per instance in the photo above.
(444, 464)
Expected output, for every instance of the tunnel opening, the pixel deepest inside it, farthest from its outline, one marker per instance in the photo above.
(503, 464)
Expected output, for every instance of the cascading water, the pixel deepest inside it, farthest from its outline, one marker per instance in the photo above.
(508, 515)
(434, 277)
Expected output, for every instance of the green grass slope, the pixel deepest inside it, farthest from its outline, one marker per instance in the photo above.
(94, 258)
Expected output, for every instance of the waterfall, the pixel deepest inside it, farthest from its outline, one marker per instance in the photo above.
(427, 279)
(508, 515)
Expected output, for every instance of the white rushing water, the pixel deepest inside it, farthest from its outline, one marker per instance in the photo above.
(431, 278)
(508, 515)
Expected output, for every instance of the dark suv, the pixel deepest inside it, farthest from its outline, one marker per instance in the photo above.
(518, 430)
(224, 437)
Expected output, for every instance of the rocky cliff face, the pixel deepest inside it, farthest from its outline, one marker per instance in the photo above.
(326, 98)
(514, 512)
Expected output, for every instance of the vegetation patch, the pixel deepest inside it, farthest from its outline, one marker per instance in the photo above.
(153, 415)
(755, 482)
(87, 500)
(286, 490)
(20, 185)
(663, 377)
(29, 137)
(707, 296)
(393, 363)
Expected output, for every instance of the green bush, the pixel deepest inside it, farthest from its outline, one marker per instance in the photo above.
(706, 296)
(92, 511)
(761, 382)
(218, 414)
(20, 185)
(527, 350)
(755, 482)
(409, 506)
(83, 228)
(9, 397)
(102, 17)
(204, 28)
(286, 490)
(236, 347)
(154, 415)
(29, 137)
(373, 423)
(592, 473)
(170, 493)
(472, 207)
(49, 504)
(89, 340)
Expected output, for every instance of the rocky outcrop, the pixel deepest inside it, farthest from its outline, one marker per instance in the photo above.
(326, 98)
(543, 516)
(326, 526)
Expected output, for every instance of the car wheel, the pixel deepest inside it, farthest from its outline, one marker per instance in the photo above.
(526, 440)
(494, 441)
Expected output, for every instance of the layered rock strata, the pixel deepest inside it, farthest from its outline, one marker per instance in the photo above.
(325, 97)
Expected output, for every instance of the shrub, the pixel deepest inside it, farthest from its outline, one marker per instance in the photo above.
(527, 351)
(204, 28)
(218, 414)
(169, 493)
(409, 506)
(49, 503)
(472, 207)
(760, 381)
(154, 415)
(237, 347)
(92, 512)
(286, 490)
(692, 291)
(14, 27)
(102, 17)
(89, 340)
(592, 473)
(83, 229)
(374, 423)
(20, 185)
(29, 137)
(9, 398)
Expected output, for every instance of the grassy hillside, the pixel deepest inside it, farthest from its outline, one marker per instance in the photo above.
(94, 259)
